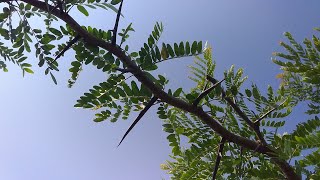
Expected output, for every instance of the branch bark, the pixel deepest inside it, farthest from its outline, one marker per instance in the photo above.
(162, 95)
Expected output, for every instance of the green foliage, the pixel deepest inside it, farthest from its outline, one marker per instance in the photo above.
(300, 80)
(301, 71)
(150, 54)
(196, 158)
(299, 84)
(202, 68)
(20, 34)
(193, 143)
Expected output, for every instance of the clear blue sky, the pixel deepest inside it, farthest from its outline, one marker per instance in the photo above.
(42, 137)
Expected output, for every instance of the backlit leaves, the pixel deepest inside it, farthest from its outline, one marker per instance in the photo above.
(83, 10)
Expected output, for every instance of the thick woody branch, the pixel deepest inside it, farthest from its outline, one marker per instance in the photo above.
(162, 95)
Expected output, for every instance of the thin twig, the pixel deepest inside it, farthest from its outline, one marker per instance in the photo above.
(218, 159)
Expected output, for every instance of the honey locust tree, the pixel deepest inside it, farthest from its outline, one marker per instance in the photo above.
(214, 116)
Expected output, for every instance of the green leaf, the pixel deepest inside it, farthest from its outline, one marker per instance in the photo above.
(121, 92)
(27, 47)
(28, 70)
(25, 65)
(158, 54)
(176, 49)
(127, 89)
(83, 10)
(4, 32)
(164, 52)
(115, 2)
(53, 78)
(22, 59)
(248, 92)
(150, 67)
(181, 49)
(194, 47)
(151, 41)
(170, 50)
(134, 87)
(177, 92)
(134, 54)
(187, 48)
(41, 61)
(199, 49)
(18, 43)
(55, 31)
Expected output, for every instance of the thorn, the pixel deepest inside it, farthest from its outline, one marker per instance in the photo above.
(115, 29)
(126, 70)
(141, 114)
(206, 92)
(69, 44)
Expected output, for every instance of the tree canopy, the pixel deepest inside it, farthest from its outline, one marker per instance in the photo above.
(231, 131)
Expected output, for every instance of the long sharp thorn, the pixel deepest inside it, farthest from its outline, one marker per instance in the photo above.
(141, 114)
(69, 44)
(115, 29)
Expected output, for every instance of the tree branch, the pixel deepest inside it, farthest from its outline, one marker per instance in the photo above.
(236, 108)
(158, 92)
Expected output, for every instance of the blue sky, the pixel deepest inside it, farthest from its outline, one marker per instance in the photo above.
(42, 137)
